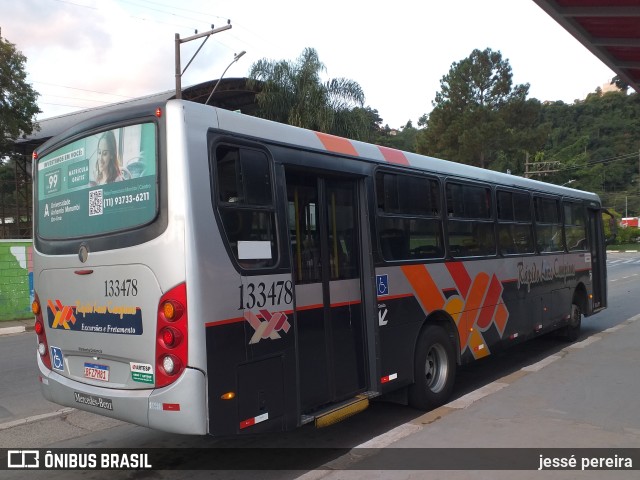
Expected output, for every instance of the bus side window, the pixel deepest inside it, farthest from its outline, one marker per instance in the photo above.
(575, 226)
(409, 217)
(470, 223)
(515, 229)
(548, 225)
(245, 203)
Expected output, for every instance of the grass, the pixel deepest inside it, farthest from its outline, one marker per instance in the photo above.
(625, 246)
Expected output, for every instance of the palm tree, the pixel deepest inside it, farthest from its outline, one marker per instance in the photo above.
(293, 93)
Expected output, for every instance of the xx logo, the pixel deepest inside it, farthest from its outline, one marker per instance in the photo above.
(268, 328)
(61, 315)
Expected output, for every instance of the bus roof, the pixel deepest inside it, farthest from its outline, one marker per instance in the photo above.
(287, 134)
(280, 133)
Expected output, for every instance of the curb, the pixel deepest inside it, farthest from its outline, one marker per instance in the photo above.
(11, 330)
(16, 326)
(36, 418)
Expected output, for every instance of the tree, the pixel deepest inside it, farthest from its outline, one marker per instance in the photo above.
(293, 93)
(595, 143)
(619, 83)
(477, 112)
(18, 105)
(403, 138)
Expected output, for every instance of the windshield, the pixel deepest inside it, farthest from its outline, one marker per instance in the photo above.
(99, 184)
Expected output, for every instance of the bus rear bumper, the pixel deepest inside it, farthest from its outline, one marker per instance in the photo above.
(177, 408)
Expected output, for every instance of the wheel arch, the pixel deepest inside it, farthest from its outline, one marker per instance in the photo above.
(444, 320)
(580, 298)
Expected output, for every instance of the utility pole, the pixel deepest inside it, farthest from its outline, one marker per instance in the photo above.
(538, 168)
(179, 41)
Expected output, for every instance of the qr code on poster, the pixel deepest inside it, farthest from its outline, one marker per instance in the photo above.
(95, 202)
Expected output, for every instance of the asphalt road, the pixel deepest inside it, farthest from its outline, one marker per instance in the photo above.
(545, 393)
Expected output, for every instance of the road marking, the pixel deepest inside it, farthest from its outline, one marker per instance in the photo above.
(624, 278)
(36, 418)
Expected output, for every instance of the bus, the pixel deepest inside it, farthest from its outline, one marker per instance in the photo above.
(201, 271)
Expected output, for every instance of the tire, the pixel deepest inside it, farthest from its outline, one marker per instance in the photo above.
(572, 331)
(434, 369)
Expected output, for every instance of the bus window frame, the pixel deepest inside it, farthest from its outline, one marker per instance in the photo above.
(558, 199)
(214, 140)
(123, 238)
(530, 223)
(492, 219)
(381, 214)
(584, 205)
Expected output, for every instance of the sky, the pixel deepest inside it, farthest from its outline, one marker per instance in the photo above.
(87, 53)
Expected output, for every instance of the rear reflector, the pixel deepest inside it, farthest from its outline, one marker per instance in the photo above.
(252, 421)
(389, 378)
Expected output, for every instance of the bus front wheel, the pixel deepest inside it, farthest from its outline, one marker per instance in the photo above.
(434, 369)
(572, 330)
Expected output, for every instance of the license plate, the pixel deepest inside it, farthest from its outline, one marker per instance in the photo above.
(96, 372)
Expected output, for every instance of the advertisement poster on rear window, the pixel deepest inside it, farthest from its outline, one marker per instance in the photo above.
(99, 184)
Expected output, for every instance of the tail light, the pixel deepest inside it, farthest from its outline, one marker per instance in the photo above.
(171, 336)
(43, 346)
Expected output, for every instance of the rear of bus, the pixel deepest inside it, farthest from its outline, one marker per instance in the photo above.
(109, 272)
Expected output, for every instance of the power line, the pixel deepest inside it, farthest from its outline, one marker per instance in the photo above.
(131, 16)
(130, 2)
(160, 11)
(263, 40)
(65, 105)
(601, 161)
(81, 89)
(549, 164)
(78, 98)
(183, 9)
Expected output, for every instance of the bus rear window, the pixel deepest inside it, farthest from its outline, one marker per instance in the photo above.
(98, 184)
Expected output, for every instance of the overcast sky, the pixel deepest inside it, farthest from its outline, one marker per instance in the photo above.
(87, 53)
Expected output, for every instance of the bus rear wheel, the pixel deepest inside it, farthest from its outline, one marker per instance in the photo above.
(434, 369)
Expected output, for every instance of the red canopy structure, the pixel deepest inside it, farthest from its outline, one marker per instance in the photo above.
(610, 29)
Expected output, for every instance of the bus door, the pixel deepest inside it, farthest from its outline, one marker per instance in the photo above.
(598, 259)
(323, 226)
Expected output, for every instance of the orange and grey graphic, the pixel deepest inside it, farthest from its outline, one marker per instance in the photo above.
(476, 304)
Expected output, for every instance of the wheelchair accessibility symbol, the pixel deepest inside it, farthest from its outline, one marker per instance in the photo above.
(382, 284)
(57, 360)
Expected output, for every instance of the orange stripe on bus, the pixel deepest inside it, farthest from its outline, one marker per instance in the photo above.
(460, 276)
(476, 294)
(474, 301)
(224, 322)
(386, 298)
(337, 144)
(426, 289)
(392, 155)
(490, 302)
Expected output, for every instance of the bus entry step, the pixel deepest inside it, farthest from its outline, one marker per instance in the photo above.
(344, 410)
